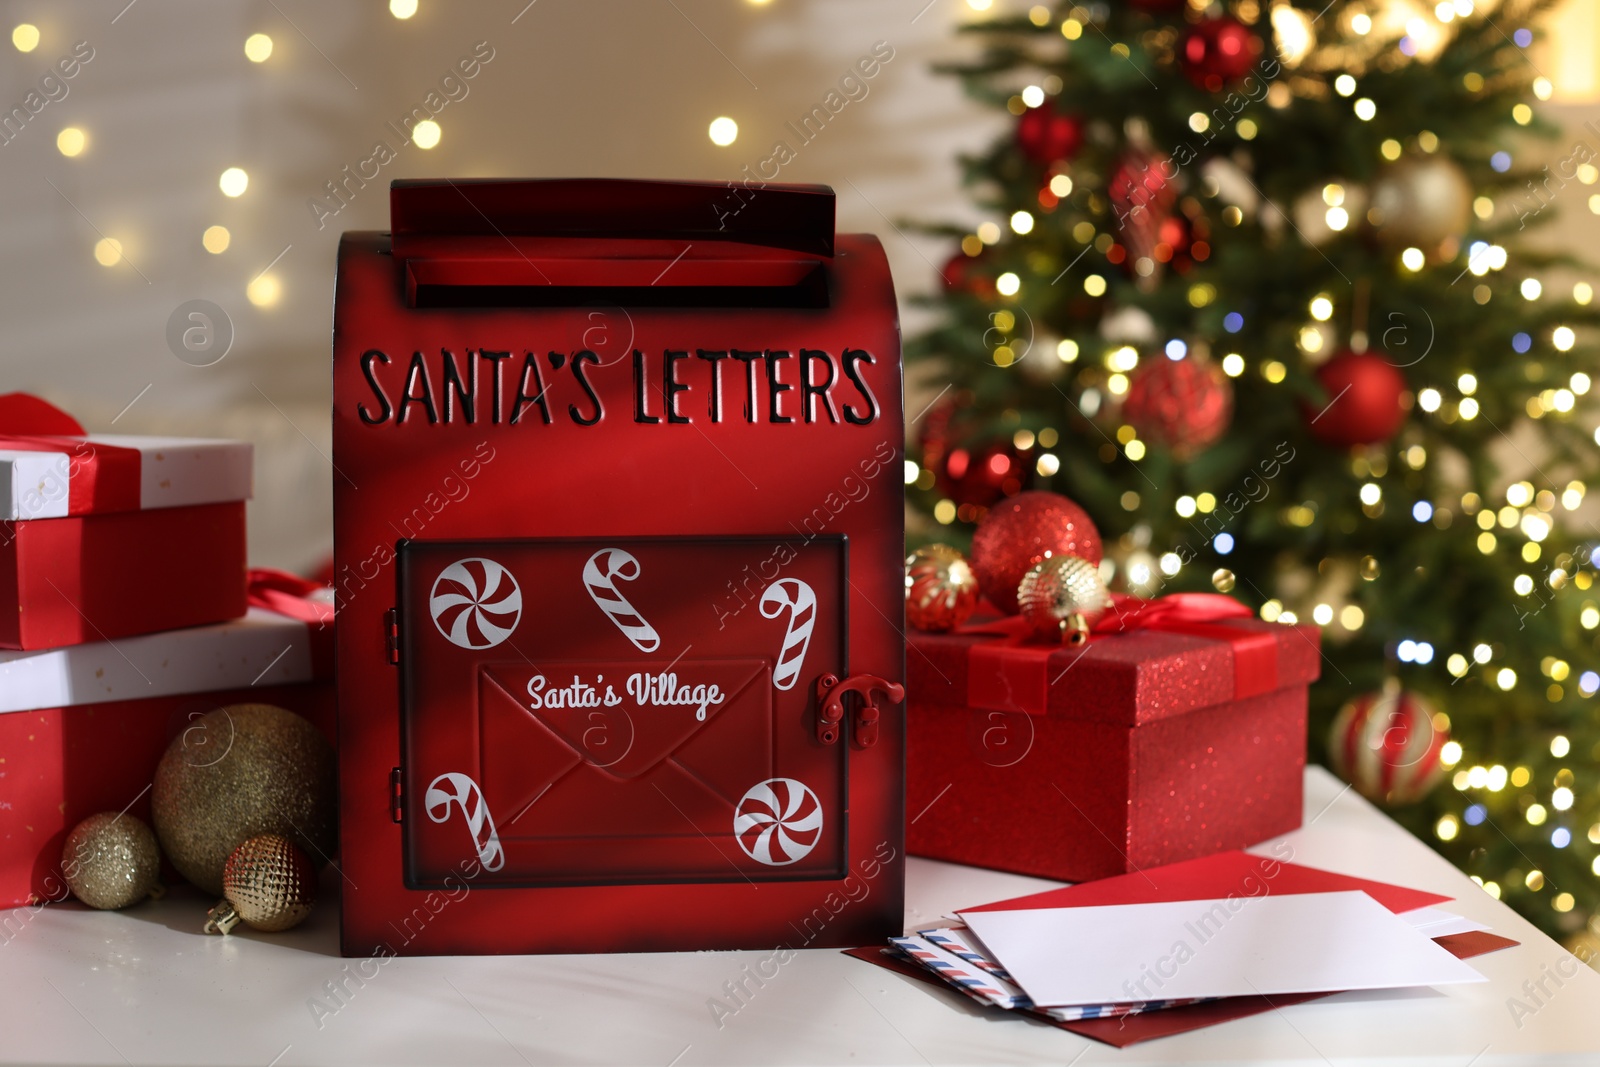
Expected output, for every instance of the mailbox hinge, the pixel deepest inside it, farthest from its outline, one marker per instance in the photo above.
(391, 634)
(395, 794)
(831, 692)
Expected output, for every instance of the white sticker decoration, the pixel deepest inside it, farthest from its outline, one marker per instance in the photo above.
(795, 597)
(459, 790)
(600, 576)
(475, 603)
(778, 821)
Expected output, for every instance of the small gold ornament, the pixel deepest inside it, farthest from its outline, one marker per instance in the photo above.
(1421, 201)
(268, 883)
(1063, 596)
(941, 590)
(110, 860)
(237, 772)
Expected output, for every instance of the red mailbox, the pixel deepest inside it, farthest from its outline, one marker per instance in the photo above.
(618, 538)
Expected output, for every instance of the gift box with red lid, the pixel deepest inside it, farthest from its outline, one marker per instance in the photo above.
(1177, 730)
(83, 727)
(104, 535)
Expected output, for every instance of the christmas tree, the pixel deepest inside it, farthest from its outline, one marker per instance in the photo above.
(1255, 289)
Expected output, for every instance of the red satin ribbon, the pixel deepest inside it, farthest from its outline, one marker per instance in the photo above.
(1012, 673)
(97, 478)
(288, 594)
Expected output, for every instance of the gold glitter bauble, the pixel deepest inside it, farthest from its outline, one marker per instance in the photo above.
(1062, 597)
(268, 883)
(110, 860)
(237, 772)
(941, 590)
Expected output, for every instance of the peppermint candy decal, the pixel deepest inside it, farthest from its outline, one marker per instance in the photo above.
(600, 576)
(475, 603)
(460, 791)
(795, 597)
(778, 821)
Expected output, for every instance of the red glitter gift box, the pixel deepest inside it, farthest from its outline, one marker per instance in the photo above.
(1179, 738)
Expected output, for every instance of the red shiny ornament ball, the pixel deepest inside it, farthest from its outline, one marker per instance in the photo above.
(1387, 745)
(960, 274)
(1184, 404)
(980, 476)
(1219, 51)
(1048, 136)
(941, 590)
(1365, 400)
(1021, 531)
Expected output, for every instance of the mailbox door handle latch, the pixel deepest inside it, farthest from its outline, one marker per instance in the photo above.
(831, 692)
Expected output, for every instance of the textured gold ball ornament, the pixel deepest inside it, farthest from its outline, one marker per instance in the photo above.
(268, 883)
(1062, 597)
(1421, 201)
(237, 772)
(941, 590)
(110, 860)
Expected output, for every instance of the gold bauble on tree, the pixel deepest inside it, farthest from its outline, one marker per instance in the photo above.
(110, 860)
(267, 883)
(237, 772)
(1062, 597)
(1421, 201)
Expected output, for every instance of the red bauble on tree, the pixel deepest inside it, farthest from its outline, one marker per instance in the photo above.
(1365, 401)
(1047, 135)
(1019, 533)
(1219, 51)
(966, 470)
(1184, 404)
(1142, 189)
(1388, 746)
(962, 273)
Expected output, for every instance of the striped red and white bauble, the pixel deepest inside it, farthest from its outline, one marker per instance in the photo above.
(475, 603)
(1387, 745)
(778, 821)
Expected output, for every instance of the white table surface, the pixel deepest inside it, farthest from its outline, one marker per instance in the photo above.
(145, 986)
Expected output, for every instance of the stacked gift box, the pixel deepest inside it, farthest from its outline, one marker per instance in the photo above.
(126, 613)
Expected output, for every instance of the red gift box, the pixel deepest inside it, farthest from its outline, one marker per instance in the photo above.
(84, 746)
(97, 532)
(1180, 736)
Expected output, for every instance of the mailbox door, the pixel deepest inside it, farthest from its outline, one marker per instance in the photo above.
(586, 712)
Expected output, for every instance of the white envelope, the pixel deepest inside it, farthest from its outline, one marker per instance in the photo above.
(1290, 943)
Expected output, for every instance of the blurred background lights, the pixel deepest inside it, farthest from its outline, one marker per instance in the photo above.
(257, 47)
(234, 181)
(216, 239)
(108, 251)
(724, 131)
(426, 133)
(71, 141)
(25, 37)
(402, 9)
(264, 291)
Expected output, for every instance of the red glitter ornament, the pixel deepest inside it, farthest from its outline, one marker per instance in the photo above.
(1046, 135)
(1388, 745)
(1022, 531)
(967, 471)
(1219, 51)
(1184, 404)
(1365, 400)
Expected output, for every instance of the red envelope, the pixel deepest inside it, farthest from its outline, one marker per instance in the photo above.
(1226, 874)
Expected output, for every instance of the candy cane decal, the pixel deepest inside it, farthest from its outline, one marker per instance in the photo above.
(796, 597)
(463, 792)
(475, 603)
(600, 577)
(778, 821)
